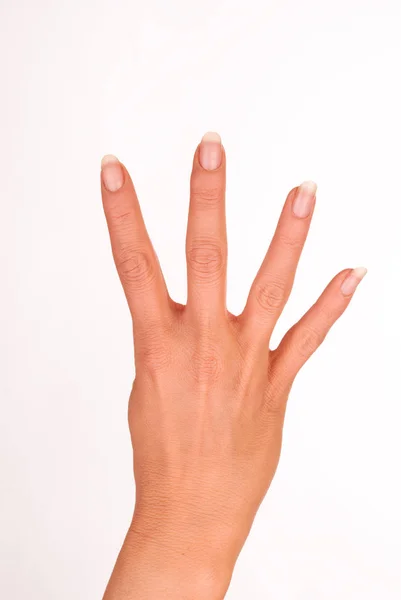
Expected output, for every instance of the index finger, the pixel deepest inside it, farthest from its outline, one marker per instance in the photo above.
(134, 255)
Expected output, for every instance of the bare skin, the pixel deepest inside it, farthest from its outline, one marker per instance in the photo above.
(207, 406)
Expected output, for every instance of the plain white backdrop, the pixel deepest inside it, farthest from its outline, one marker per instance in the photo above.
(298, 90)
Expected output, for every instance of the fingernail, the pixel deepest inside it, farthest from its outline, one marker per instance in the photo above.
(210, 151)
(304, 199)
(112, 173)
(352, 280)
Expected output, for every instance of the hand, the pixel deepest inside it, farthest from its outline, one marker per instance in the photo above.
(207, 406)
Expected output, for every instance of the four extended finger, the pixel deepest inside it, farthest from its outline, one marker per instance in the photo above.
(133, 253)
(303, 339)
(274, 280)
(206, 240)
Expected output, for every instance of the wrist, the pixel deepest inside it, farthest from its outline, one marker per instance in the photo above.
(188, 560)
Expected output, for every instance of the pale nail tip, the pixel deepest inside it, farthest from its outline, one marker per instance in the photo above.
(360, 272)
(309, 185)
(108, 159)
(211, 136)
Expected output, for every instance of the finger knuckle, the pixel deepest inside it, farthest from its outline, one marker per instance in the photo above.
(120, 218)
(135, 267)
(270, 295)
(326, 314)
(292, 242)
(308, 341)
(206, 259)
(206, 197)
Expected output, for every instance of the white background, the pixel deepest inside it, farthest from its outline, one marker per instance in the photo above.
(298, 90)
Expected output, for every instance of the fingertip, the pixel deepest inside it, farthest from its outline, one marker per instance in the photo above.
(304, 199)
(211, 137)
(112, 173)
(210, 154)
(360, 272)
(108, 159)
(310, 186)
(352, 280)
